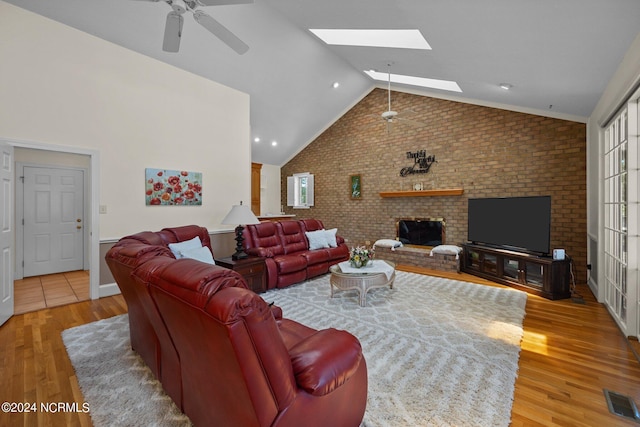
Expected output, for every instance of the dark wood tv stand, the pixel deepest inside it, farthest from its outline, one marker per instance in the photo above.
(541, 276)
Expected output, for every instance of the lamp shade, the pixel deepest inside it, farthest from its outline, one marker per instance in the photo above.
(240, 214)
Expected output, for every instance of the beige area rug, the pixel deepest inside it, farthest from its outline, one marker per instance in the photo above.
(439, 353)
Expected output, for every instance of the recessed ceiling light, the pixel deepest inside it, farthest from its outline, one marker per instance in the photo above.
(256, 139)
(416, 81)
(506, 86)
(335, 85)
(402, 39)
(274, 143)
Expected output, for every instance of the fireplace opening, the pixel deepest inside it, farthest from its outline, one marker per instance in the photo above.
(421, 231)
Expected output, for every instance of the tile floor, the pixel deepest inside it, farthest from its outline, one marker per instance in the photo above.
(35, 293)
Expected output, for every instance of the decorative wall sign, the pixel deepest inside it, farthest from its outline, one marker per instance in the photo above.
(355, 182)
(421, 163)
(169, 187)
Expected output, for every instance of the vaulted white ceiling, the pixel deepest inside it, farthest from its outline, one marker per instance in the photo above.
(558, 55)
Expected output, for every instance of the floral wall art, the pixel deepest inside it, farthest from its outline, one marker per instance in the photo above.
(355, 182)
(170, 187)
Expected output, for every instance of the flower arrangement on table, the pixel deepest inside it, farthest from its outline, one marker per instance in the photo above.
(360, 256)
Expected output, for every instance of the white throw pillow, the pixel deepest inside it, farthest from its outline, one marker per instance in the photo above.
(201, 254)
(330, 236)
(176, 248)
(447, 250)
(317, 239)
(387, 243)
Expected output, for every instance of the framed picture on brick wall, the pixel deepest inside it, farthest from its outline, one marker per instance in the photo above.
(355, 186)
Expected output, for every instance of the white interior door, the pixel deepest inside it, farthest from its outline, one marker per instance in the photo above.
(53, 220)
(6, 232)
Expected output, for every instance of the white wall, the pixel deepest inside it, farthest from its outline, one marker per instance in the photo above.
(270, 190)
(626, 78)
(622, 84)
(64, 87)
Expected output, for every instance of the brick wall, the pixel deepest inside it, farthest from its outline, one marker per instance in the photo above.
(418, 257)
(486, 151)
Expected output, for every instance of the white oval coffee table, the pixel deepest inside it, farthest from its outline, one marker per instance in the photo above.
(363, 280)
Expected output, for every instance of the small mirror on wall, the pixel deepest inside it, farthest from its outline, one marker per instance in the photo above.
(355, 182)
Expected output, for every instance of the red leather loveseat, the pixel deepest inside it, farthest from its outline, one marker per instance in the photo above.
(289, 254)
(222, 353)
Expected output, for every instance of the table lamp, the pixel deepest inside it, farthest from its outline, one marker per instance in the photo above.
(240, 214)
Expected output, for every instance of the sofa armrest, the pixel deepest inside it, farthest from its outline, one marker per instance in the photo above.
(276, 311)
(260, 252)
(325, 360)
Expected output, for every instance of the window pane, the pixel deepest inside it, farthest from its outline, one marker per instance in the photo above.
(615, 180)
(303, 190)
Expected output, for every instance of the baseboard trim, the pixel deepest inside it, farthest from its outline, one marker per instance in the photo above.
(108, 289)
(593, 286)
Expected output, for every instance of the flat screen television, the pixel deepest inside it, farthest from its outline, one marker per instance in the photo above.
(516, 223)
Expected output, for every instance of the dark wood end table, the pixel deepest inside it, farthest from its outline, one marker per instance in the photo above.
(252, 269)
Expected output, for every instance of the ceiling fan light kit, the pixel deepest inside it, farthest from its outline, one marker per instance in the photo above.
(179, 6)
(389, 115)
(175, 21)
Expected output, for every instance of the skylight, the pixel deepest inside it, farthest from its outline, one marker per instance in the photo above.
(416, 81)
(402, 39)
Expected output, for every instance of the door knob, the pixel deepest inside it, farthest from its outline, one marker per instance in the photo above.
(79, 220)
(78, 227)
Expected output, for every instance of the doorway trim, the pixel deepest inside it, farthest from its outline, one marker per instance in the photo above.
(19, 210)
(93, 203)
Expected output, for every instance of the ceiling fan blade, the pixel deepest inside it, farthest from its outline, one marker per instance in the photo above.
(408, 113)
(410, 122)
(220, 31)
(172, 32)
(223, 2)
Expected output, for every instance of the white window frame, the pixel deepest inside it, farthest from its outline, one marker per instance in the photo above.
(296, 196)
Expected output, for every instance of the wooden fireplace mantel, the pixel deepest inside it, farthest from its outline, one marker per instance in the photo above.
(423, 193)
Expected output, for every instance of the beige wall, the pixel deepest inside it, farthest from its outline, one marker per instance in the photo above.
(488, 152)
(63, 87)
(51, 158)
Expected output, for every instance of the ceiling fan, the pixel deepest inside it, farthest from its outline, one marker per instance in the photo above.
(173, 27)
(390, 115)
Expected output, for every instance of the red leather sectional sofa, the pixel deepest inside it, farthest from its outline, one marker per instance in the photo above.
(225, 356)
(285, 249)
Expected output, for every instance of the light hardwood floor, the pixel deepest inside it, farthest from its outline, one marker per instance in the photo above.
(570, 353)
